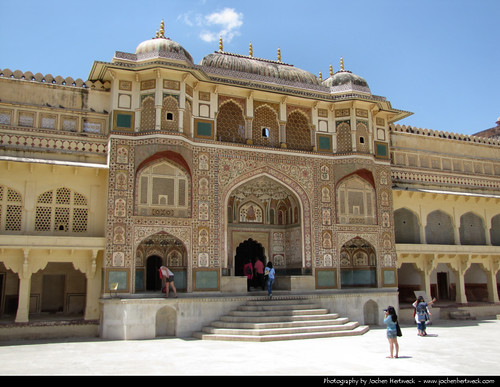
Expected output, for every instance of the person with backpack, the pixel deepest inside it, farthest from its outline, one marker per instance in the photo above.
(422, 314)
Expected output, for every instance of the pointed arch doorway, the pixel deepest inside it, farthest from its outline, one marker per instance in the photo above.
(162, 249)
(248, 250)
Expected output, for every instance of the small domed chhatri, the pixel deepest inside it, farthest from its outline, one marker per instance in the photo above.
(162, 46)
(344, 80)
(258, 67)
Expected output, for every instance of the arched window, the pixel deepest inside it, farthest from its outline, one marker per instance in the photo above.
(406, 226)
(439, 229)
(11, 208)
(356, 201)
(163, 190)
(148, 113)
(298, 131)
(231, 123)
(495, 230)
(61, 210)
(472, 230)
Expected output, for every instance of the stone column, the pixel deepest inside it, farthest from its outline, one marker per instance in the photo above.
(23, 306)
(460, 265)
(93, 275)
(491, 267)
(426, 264)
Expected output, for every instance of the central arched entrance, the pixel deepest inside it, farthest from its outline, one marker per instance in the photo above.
(248, 250)
(264, 219)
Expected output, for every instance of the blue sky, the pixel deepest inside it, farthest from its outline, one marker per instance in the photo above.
(439, 59)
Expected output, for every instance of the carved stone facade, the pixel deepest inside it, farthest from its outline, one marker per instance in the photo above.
(203, 167)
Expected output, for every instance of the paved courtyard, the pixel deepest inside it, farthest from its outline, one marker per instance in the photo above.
(452, 348)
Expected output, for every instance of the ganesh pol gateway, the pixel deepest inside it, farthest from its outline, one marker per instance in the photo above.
(202, 165)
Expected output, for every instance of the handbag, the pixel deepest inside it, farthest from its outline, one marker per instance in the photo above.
(398, 330)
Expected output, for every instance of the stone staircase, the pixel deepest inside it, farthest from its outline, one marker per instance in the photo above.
(279, 319)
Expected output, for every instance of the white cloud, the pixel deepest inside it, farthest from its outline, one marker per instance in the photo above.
(225, 23)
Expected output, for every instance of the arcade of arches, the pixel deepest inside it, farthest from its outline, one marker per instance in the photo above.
(448, 251)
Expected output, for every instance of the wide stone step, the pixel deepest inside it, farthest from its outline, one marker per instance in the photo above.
(291, 336)
(278, 312)
(277, 306)
(269, 317)
(279, 319)
(280, 331)
(279, 324)
(279, 301)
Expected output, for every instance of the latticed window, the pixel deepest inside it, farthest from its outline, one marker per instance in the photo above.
(61, 210)
(356, 201)
(163, 186)
(298, 133)
(148, 113)
(231, 123)
(11, 209)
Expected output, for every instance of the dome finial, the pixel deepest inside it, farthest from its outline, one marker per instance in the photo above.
(331, 70)
(162, 29)
(250, 50)
(321, 76)
(279, 54)
(220, 44)
(341, 64)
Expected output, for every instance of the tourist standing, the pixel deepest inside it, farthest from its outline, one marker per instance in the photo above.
(269, 274)
(391, 320)
(422, 314)
(259, 273)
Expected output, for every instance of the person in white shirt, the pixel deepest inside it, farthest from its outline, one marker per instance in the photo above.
(169, 280)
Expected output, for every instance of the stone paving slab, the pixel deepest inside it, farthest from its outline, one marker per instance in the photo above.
(452, 348)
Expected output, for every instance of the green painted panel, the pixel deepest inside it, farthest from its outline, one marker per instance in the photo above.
(382, 150)
(139, 279)
(206, 280)
(204, 129)
(324, 143)
(358, 277)
(118, 276)
(123, 121)
(326, 278)
(180, 279)
(389, 277)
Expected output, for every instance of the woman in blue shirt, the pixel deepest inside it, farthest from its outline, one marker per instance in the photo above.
(391, 319)
(269, 274)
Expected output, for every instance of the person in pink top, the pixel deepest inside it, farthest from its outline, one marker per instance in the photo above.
(169, 280)
(248, 272)
(259, 273)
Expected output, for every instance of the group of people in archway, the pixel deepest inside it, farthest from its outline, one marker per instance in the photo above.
(259, 276)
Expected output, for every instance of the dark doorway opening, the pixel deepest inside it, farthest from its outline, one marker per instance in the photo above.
(53, 286)
(153, 280)
(248, 250)
(442, 285)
